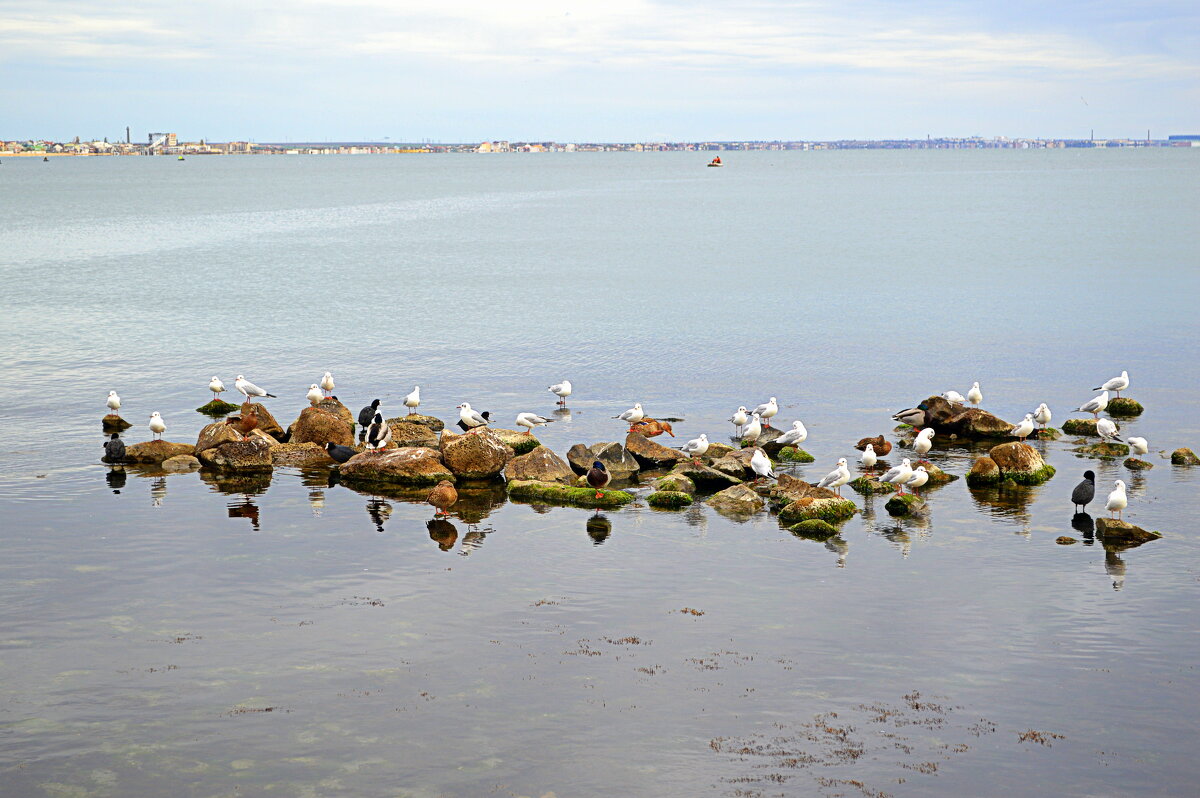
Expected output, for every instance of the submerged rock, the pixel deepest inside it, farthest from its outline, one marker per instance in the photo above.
(1184, 456)
(669, 499)
(869, 486)
(406, 433)
(555, 493)
(475, 455)
(961, 421)
(619, 462)
(156, 451)
(412, 465)
(540, 465)
(904, 504)
(675, 483)
(299, 454)
(180, 463)
(737, 500)
(1124, 406)
(650, 454)
(814, 529)
(253, 454)
(1064, 540)
(320, 425)
(1102, 451)
(1021, 463)
(1123, 533)
(1136, 464)
(984, 471)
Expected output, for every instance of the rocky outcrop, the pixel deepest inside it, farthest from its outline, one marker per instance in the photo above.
(675, 483)
(1125, 407)
(1137, 464)
(412, 465)
(252, 454)
(717, 450)
(788, 489)
(904, 504)
(476, 455)
(321, 424)
(156, 451)
(555, 493)
(266, 421)
(961, 421)
(879, 444)
(650, 454)
(180, 463)
(299, 454)
(703, 477)
(541, 465)
(669, 499)
(406, 433)
(1021, 463)
(1184, 456)
(330, 404)
(1081, 426)
(519, 442)
(984, 471)
(434, 424)
(619, 462)
(1102, 451)
(739, 500)
(813, 529)
(1123, 533)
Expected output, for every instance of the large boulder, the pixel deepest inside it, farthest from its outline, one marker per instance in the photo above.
(156, 451)
(219, 432)
(1021, 463)
(542, 465)
(406, 433)
(330, 404)
(299, 454)
(1081, 426)
(619, 462)
(984, 471)
(736, 500)
(963, 422)
(320, 425)
(412, 465)
(1124, 406)
(1184, 456)
(703, 477)
(1123, 533)
(266, 421)
(519, 442)
(252, 454)
(435, 424)
(650, 454)
(476, 455)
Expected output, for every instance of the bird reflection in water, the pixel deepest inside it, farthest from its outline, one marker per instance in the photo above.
(380, 511)
(442, 532)
(116, 478)
(158, 491)
(1114, 566)
(474, 539)
(598, 528)
(839, 547)
(898, 538)
(563, 414)
(246, 508)
(1084, 525)
(316, 500)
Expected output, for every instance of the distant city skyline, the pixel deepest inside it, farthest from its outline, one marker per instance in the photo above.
(630, 70)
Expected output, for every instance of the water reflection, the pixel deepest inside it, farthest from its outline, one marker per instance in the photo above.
(246, 508)
(1114, 566)
(316, 501)
(116, 478)
(839, 547)
(476, 501)
(474, 539)
(253, 483)
(1007, 501)
(598, 528)
(899, 538)
(1084, 525)
(158, 490)
(442, 532)
(563, 414)
(380, 511)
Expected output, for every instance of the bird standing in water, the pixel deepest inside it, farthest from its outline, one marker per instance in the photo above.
(442, 497)
(1084, 492)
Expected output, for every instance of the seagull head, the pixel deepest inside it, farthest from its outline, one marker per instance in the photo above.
(240, 377)
(742, 409)
(314, 385)
(637, 406)
(841, 461)
(1120, 484)
(704, 437)
(464, 406)
(870, 447)
(906, 463)
(112, 393)
(155, 414)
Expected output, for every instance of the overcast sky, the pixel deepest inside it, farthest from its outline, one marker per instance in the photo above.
(611, 70)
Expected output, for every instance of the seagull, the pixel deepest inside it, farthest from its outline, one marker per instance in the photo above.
(751, 432)
(1084, 492)
(314, 394)
(598, 477)
(442, 497)
(531, 420)
(1042, 415)
(696, 448)
(868, 457)
(1138, 446)
(157, 425)
(1117, 500)
(216, 386)
(975, 396)
(632, 415)
(924, 441)
(114, 401)
(913, 416)
(761, 465)
(836, 478)
(1024, 428)
(413, 400)
(327, 384)
(739, 419)
(918, 478)
(954, 397)
(898, 475)
(767, 411)
(1094, 405)
(249, 389)
(562, 390)
(1117, 384)
(367, 414)
(114, 449)
(379, 434)
(469, 418)
(795, 436)
(487, 416)
(1107, 430)
(340, 454)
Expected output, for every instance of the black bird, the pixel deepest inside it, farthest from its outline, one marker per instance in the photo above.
(379, 434)
(1085, 491)
(487, 416)
(340, 453)
(114, 449)
(598, 477)
(367, 414)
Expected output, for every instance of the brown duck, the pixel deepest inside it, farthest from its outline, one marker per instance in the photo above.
(442, 497)
(246, 423)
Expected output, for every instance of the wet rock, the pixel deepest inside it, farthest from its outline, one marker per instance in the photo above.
(219, 432)
(299, 454)
(1065, 540)
(1080, 426)
(813, 529)
(476, 455)
(1137, 464)
(217, 407)
(406, 433)
(180, 463)
(319, 425)
(788, 489)
(881, 445)
(868, 486)
(827, 509)
(555, 493)
(1123, 533)
(434, 424)
(737, 500)
(266, 421)
(620, 463)
(252, 454)
(733, 467)
(984, 471)
(650, 454)
(540, 465)
(904, 504)
(961, 421)
(793, 454)
(1047, 434)
(519, 442)
(1125, 407)
(703, 477)
(675, 483)
(669, 499)
(936, 475)
(765, 438)
(1021, 463)
(114, 423)
(1184, 456)
(1102, 451)
(412, 465)
(156, 451)
(716, 451)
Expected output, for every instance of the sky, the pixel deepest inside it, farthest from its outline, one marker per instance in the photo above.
(617, 70)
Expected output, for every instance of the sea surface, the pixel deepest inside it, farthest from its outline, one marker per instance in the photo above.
(181, 635)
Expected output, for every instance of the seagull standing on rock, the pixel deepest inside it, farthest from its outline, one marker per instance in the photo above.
(954, 397)
(795, 436)
(761, 465)
(924, 441)
(868, 457)
(899, 475)
(470, 419)
(1023, 429)
(1117, 384)
(1107, 430)
(1117, 500)
(918, 479)
(531, 420)
(216, 386)
(975, 396)
(695, 448)
(114, 401)
(1139, 446)
(753, 430)
(739, 419)
(1042, 415)
(157, 425)
(767, 411)
(562, 390)
(327, 384)
(632, 416)
(1094, 405)
(413, 400)
(837, 477)
(314, 395)
(249, 389)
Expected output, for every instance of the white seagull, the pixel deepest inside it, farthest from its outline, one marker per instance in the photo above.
(531, 420)
(216, 386)
(696, 447)
(954, 397)
(1042, 415)
(868, 457)
(114, 401)
(1138, 446)
(1117, 500)
(753, 430)
(327, 384)
(633, 415)
(249, 389)
(836, 478)
(918, 479)
(470, 418)
(975, 396)
(1024, 428)
(795, 436)
(899, 474)
(314, 394)
(413, 400)
(924, 441)
(157, 425)
(767, 410)
(761, 464)
(1117, 384)
(562, 390)
(739, 419)
(1107, 430)
(1094, 405)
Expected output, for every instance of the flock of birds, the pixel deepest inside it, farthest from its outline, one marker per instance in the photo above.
(748, 426)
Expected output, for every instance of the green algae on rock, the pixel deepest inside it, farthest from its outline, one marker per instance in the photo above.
(904, 504)
(554, 493)
(1021, 463)
(1136, 464)
(217, 407)
(827, 509)
(675, 483)
(519, 442)
(1080, 426)
(1184, 456)
(668, 499)
(1047, 434)
(1124, 406)
(813, 529)
(1064, 540)
(869, 486)
(984, 471)
(794, 454)
(1102, 451)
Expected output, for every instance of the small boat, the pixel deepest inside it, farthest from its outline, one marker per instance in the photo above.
(716, 161)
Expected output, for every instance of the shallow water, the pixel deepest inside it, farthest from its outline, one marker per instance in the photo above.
(148, 621)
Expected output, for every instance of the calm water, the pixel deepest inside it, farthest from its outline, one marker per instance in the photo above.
(148, 621)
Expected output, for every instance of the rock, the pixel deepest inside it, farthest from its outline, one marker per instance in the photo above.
(1184, 457)
(620, 463)
(1136, 464)
(793, 454)
(650, 427)
(555, 493)
(788, 489)
(703, 477)
(984, 471)
(519, 442)
(1124, 406)
(1123, 533)
(434, 424)
(733, 467)
(869, 486)
(960, 421)
(156, 451)
(219, 432)
(882, 446)
(330, 404)
(412, 465)
(252, 454)
(669, 499)
(1080, 426)
(406, 433)
(266, 421)
(675, 483)
(541, 465)
(813, 529)
(475, 455)
(827, 509)
(936, 475)
(1064, 540)
(737, 500)
(904, 504)
(1047, 434)
(321, 426)
(180, 463)
(717, 450)
(766, 438)
(650, 454)
(114, 423)
(1102, 451)
(217, 407)
(1021, 463)
(299, 454)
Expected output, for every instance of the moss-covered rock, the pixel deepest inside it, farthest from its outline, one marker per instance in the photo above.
(675, 483)
(669, 499)
(737, 500)
(114, 423)
(904, 504)
(703, 477)
(1136, 464)
(1184, 456)
(217, 407)
(1021, 463)
(1124, 533)
(554, 493)
(794, 454)
(984, 471)
(519, 442)
(813, 529)
(1102, 451)
(936, 475)
(1124, 406)
(1064, 540)
(869, 486)
(828, 509)
(1081, 426)
(1047, 434)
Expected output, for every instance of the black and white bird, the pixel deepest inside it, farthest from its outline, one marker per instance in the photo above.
(598, 477)
(249, 389)
(1094, 405)
(1116, 384)
(531, 420)
(837, 477)
(1084, 492)
(1107, 430)
(696, 447)
(767, 410)
(413, 400)
(379, 434)
(760, 464)
(340, 454)
(562, 390)
(367, 414)
(899, 475)
(487, 416)
(114, 449)
(470, 419)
